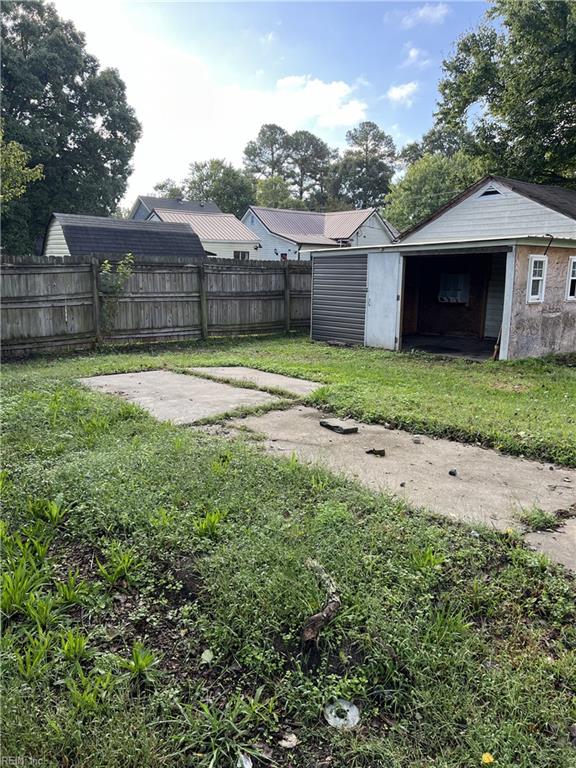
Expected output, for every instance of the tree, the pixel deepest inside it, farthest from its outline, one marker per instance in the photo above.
(274, 192)
(519, 79)
(308, 161)
(169, 188)
(231, 189)
(268, 155)
(439, 139)
(366, 169)
(15, 172)
(429, 183)
(69, 115)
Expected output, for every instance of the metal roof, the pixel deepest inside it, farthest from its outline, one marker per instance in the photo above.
(341, 225)
(102, 236)
(466, 244)
(312, 227)
(178, 204)
(211, 226)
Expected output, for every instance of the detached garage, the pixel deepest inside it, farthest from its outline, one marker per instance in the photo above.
(494, 268)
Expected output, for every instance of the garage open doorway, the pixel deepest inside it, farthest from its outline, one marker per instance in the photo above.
(453, 304)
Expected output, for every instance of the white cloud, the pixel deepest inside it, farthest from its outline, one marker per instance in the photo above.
(190, 113)
(416, 57)
(268, 38)
(403, 93)
(429, 13)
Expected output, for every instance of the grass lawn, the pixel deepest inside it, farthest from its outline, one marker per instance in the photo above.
(156, 579)
(525, 408)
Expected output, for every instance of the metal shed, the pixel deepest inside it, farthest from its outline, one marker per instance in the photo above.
(339, 284)
(355, 295)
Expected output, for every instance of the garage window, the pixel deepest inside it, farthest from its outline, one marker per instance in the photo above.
(454, 288)
(536, 279)
(571, 287)
(241, 255)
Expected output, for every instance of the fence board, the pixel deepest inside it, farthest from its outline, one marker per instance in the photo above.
(48, 305)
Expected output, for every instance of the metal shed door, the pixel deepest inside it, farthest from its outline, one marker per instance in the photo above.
(339, 298)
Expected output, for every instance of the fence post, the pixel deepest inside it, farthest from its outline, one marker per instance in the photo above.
(287, 307)
(96, 300)
(203, 302)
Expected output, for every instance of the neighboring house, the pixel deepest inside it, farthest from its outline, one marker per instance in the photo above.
(494, 268)
(145, 204)
(221, 234)
(287, 234)
(71, 235)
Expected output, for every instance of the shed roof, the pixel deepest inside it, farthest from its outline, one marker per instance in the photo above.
(558, 199)
(313, 227)
(102, 236)
(210, 226)
(177, 204)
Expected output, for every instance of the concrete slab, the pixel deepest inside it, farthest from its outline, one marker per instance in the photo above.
(300, 387)
(488, 487)
(560, 544)
(177, 397)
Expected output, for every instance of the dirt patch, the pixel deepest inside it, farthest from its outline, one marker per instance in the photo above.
(506, 386)
(465, 482)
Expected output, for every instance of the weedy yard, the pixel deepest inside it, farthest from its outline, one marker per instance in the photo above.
(156, 578)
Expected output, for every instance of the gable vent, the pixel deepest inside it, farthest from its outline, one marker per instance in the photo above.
(490, 192)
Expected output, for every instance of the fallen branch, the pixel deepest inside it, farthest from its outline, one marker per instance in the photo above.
(314, 625)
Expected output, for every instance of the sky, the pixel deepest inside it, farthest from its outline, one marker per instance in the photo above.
(203, 77)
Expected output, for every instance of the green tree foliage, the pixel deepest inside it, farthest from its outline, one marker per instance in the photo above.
(441, 140)
(274, 192)
(15, 172)
(308, 163)
(429, 183)
(169, 188)
(513, 81)
(231, 189)
(69, 115)
(268, 154)
(367, 167)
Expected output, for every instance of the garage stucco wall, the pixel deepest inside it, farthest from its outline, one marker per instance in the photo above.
(547, 327)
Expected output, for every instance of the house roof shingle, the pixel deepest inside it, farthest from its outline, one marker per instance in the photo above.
(558, 199)
(101, 236)
(210, 226)
(314, 228)
(177, 204)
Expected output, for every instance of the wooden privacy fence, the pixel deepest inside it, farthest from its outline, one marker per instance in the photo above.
(50, 306)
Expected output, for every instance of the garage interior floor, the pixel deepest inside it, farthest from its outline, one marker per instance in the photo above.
(475, 485)
(450, 346)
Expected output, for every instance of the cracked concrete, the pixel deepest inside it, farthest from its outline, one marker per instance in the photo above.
(464, 482)
(488, 488)
(177, 397)
(263, 379)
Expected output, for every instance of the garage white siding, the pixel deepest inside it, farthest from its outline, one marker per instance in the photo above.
(384, 282)
(55, 244)
(339, 298)
(506, 214)
(495, 297)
